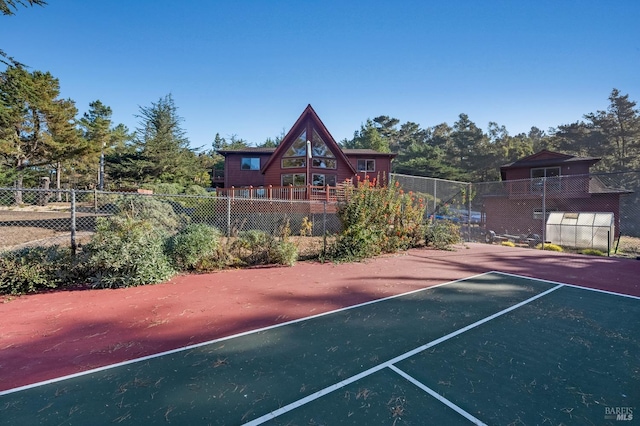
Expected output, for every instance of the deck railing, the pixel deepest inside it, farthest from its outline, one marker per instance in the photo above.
(293, 193)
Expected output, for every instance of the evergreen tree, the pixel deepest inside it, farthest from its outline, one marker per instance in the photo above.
(97, 131)
(368, 137)
(467, 147)
(67, 141)
(619, 128)
(36, 128)
(162, 148)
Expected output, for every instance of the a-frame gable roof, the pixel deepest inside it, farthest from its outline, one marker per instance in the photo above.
(308, 115)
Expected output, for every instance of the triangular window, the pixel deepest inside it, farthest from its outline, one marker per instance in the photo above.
(322, 157)
(319, 148)
(299, 147)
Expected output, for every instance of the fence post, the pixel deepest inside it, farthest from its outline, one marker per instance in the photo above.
(95, 200)
(435, 198)
(324, 229)
(74, 245)
(228, 217)
(469, 212)
(544, 211)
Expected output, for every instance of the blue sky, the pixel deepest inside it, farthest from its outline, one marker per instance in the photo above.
(249, 68)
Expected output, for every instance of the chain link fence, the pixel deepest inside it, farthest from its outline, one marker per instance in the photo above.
(30, 217)
(598, 211)
(594, 211)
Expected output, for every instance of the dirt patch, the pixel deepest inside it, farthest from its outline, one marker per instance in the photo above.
(629, 246)
(12, 237)
(311, 247)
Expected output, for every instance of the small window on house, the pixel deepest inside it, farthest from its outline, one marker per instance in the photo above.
(250, 163)
(366, 165)
(537, 213)
(545, 172)
(551, 179)
(295, 179)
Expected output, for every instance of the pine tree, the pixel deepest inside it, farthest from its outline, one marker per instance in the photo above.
(36, 128)
(162, 152)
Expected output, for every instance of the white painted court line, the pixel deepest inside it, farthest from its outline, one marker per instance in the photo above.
(597, 290)
(209, 342)
(341, 384)
(439, 397)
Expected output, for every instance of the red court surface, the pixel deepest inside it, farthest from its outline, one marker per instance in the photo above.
(50, 335)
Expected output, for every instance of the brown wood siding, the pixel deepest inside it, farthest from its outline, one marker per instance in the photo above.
(383, 166)
(504, 215)
(234, 176)
(565, 170)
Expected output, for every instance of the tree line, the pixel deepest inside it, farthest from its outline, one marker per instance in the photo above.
(465, 152)
(42, 134)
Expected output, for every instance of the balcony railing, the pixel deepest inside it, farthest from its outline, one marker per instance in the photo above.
(292, 193)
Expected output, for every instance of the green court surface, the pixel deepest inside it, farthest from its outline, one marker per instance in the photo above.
(493, 349)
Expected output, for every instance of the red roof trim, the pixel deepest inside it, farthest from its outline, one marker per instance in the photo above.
(307, 114)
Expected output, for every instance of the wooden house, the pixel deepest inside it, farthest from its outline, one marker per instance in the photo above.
(308, 164)
(545, 182)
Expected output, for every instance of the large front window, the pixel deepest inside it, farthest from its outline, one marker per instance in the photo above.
(294, 179)
(323, 180)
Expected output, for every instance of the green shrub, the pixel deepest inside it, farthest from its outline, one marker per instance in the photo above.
(592, 252)
(284, 253)
(127, 252)
(195, 190)
(205, 210)
(377, 219)
(33, 269)
(442, 234)
(165, 188)
(192, 245)
(550, 247)
(147, 208)
(254, 247)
